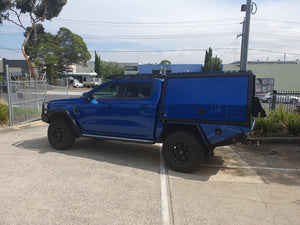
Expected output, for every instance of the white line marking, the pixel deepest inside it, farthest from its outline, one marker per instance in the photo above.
(252, 167)
(164, 192)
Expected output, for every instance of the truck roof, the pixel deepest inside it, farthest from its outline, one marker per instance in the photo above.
(179, 75)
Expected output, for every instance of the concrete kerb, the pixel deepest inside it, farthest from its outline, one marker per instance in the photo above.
(22, 126)
(282, 140)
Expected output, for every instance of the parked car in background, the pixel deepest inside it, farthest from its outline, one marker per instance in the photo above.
(77, 84)
(3, 87)
(280, 97)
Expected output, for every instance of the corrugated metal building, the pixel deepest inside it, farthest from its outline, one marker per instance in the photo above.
(272, 75)
(169, 68)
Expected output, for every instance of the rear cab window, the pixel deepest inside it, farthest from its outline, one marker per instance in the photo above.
(138, 90)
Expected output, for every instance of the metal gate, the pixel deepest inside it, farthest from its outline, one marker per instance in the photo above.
(25, 98)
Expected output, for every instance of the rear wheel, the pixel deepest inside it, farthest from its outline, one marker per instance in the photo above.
(294, 101)
(60, 134)
(269, 100)
(182, 151)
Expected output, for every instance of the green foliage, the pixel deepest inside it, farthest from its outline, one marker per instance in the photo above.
(97, 68)
(3, 113)
(211, 63)
(44, 9)
(24, 113)
(110, 68)
(277, 123)
(165, 62)
(55, 53)
(4, 6)
(38, 12)
(207, 60)
(293, 124)
(73, 49)
(216, 64)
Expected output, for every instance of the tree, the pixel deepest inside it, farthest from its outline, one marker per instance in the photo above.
(165, 62)
(216, 64)
(73, 49)
(207, 60)
(211, 63)
(110, 68)
(38, 11)
(97, 68)
(55, 53)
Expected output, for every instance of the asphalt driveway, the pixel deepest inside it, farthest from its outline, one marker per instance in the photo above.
(106, 182)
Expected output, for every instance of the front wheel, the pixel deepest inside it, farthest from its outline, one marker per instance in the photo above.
(60, 134)
(182, 151)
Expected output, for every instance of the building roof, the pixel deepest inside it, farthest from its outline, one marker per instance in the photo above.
(269, 62)
(86, 69)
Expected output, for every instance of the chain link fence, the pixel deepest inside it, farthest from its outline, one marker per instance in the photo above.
(25, 98)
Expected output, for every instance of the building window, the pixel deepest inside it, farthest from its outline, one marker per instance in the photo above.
(264, 85)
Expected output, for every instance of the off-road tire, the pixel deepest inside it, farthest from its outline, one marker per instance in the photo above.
(294, 101)
(60, 134)
(182, 151)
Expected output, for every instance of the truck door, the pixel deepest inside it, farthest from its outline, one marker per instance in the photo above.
(97, 116)
(135, 114)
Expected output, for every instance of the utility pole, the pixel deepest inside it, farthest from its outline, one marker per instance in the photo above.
(245, 35)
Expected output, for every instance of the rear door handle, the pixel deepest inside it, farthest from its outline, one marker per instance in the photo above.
(109, 106)
(144, 107)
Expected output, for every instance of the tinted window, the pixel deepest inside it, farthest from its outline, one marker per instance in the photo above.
(107, 92)
(138, 90)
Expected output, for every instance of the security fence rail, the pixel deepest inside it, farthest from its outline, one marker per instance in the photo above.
(289, 100)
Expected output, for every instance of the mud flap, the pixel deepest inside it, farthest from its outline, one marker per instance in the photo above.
(257, 110)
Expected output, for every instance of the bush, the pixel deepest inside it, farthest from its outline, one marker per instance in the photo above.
(3, 113)
(277, 123)
(293, 124)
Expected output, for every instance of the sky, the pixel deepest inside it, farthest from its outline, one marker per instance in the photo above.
(148, 31)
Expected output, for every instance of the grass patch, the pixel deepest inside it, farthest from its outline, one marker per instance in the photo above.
(22, 114)
(3, 112)
(277, 123)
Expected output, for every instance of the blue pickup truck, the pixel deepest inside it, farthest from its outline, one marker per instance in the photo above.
(190, 113)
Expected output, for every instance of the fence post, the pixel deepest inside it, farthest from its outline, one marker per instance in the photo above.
(9, 100)
(67, 87)
(273, 104)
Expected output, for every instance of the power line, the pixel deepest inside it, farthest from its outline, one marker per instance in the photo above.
(162, 36)
(146, 23)
(170, 36)
(277, 35)
(173, 50)
(276, 21)
(11, 49)
(271, 51)
(159, 36)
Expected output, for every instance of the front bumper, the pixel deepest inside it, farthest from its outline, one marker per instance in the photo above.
(44, 115)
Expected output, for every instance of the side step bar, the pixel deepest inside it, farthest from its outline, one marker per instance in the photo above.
(120, 138)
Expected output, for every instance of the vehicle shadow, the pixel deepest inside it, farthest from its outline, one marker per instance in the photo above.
(147, 157)
(140, 156)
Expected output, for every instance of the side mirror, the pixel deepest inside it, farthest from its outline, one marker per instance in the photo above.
(87, 96)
